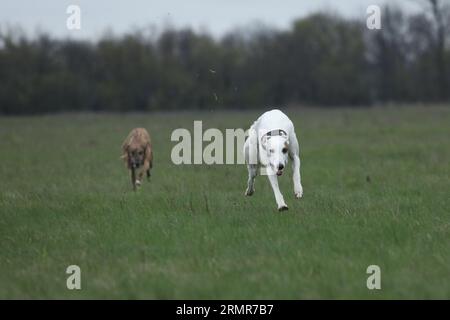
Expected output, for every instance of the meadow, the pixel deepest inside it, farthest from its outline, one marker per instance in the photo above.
(376, 191)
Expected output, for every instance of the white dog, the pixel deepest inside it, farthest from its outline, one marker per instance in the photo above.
(270, 141)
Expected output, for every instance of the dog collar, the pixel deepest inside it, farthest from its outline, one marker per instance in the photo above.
(277, 132)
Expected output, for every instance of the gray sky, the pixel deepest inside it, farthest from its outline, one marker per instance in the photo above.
(213, 16)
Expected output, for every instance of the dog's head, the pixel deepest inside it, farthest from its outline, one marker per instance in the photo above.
(135, 154)
(277, 148)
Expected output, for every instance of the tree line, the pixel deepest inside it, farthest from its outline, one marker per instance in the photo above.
(323, 59)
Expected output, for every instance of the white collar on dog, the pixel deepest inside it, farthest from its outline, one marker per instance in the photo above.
(277, 132)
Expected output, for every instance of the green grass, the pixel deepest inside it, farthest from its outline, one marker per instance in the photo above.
(65, 199)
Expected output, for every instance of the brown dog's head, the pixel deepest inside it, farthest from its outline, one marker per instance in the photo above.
(135, 153)
(136, 149)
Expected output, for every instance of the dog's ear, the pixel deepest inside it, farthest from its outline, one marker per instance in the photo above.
(285, 147)
(148, 153)
(264, 141)
(147, 149)
(125, 147)
(125, 155)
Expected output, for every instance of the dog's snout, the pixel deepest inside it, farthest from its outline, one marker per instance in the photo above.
(280, 166)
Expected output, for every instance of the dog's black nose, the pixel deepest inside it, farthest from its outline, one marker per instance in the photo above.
(280, 167)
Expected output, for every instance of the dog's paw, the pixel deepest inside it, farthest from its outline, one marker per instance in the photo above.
(138, 183)
(283, 208)
(299, 193)
(249, 193)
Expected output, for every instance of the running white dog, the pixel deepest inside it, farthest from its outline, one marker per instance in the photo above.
(270, 141)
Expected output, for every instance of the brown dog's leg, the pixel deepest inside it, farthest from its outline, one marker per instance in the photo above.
(133, 178)
(140, 175)
(148, 164)
(142, 171)
(146, 169)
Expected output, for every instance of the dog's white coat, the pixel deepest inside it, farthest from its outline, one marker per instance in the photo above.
(261, 150)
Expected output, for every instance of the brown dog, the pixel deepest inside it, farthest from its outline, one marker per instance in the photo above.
(138, 155)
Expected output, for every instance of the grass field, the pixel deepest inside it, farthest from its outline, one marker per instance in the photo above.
(376, 188)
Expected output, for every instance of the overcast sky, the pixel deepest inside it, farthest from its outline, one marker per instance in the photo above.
(214, 16)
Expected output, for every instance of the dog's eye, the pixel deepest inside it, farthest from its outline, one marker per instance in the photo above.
(140, 153)
(284, 150)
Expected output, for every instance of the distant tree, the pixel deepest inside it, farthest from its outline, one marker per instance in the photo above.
(440, 21)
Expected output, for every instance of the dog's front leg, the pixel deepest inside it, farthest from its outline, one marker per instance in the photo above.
(133, 178)
(144, 170)
(276, 190)
(298, 189)
(140, 176)
(252, 173)
(294, 155)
